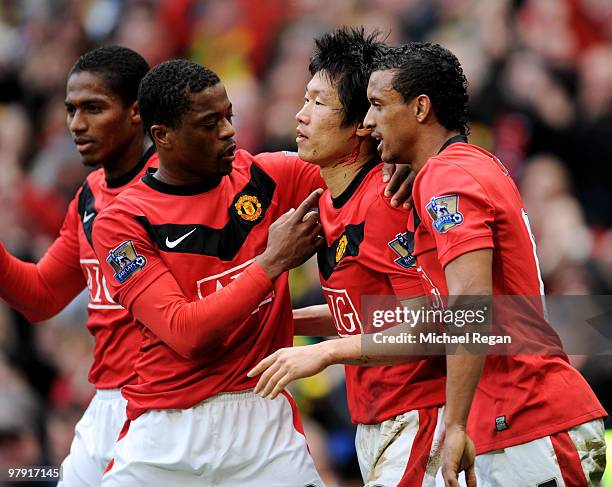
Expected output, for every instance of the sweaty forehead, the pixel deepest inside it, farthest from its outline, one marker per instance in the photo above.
(87, 86)
(321, 84)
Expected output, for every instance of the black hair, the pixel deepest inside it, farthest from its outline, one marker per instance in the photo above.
(120, 67)
(347, 56)
(165, 92)
(424, 68)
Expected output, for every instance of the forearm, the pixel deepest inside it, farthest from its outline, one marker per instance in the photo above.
(191, 328)
(348, 351)
(464, 363)
(38, 291)
(314, 321)
(462, 376)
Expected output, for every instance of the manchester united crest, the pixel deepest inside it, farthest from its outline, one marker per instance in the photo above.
(248, 207)
(341, 249)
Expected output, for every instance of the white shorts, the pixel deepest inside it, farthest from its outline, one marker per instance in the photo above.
(572, 458)
(230, 440)
(403, 451)
(95, 436)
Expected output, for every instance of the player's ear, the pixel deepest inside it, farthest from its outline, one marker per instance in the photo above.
(161, 136)
(361, 131)
(134, 113)
(422, 108)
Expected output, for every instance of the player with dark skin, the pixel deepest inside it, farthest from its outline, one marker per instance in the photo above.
(106, 130)
(410, 133)
(104, 121)
(205, 134)
(418, 113)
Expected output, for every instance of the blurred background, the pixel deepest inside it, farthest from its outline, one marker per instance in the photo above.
(540, 74)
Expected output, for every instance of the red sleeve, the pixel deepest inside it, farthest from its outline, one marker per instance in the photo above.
(455, 209)
(154, 297)
(295, 178)
(40, 291)
(387, 251)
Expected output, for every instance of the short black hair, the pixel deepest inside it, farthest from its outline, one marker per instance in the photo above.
(423, 68)
(121, 68)
(165, 92)
(347, 56)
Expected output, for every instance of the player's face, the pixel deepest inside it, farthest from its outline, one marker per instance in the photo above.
(321, 139)
(390, 118)
(203, 143)
(102, 127)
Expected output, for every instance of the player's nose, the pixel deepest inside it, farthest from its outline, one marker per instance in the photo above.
(228, 131)
(77, 123)
(369, 122)
(301, 116)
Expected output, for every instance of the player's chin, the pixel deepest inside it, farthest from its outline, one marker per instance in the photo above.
(306, 155)
(91, 160)
(226, 166)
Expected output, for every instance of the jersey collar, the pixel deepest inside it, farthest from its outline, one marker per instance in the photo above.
(182, 190)
(454, 140)
(342, 198)
(132, 173)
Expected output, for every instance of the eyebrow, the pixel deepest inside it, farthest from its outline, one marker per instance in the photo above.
(210, 114)
(312, 90)
(90, 99)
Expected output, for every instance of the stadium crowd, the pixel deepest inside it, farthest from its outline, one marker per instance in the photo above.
(540, 74)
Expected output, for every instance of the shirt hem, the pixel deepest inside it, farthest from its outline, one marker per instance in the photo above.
(540, 433)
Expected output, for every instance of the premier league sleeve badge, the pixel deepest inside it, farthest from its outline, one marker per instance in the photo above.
(444, 211)
(125, 261)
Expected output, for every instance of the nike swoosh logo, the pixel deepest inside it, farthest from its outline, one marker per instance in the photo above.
(173, 243)
(88, 216)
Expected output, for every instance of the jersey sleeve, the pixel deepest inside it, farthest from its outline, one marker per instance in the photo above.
(128, 258)
(39, 291)
(455, 209)
(141, 282)
(295, 178)
(388, 248)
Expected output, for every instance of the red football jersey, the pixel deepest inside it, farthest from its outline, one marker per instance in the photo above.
(205, 235)
(364, 256)
(465, 201)
(116, 337)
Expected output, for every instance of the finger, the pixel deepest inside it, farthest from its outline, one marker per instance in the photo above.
(408, 204)
(402, 174)
(311, 216)
(387, 171)
(311, 201)
(284, 217)
(403, 193)
(280, 386)
(315, 236)
(272, 381)
(450, 476)
(470, 477)
(265, 378)
(261, 366)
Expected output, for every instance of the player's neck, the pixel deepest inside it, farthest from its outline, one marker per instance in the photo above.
(127, 160)
(430, 144)
(339, 176)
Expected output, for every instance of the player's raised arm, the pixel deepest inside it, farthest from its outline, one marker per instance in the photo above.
(142, 283)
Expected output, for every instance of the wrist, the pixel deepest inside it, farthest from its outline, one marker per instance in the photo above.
(327, 350)
(270, 266)
(451, 425)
